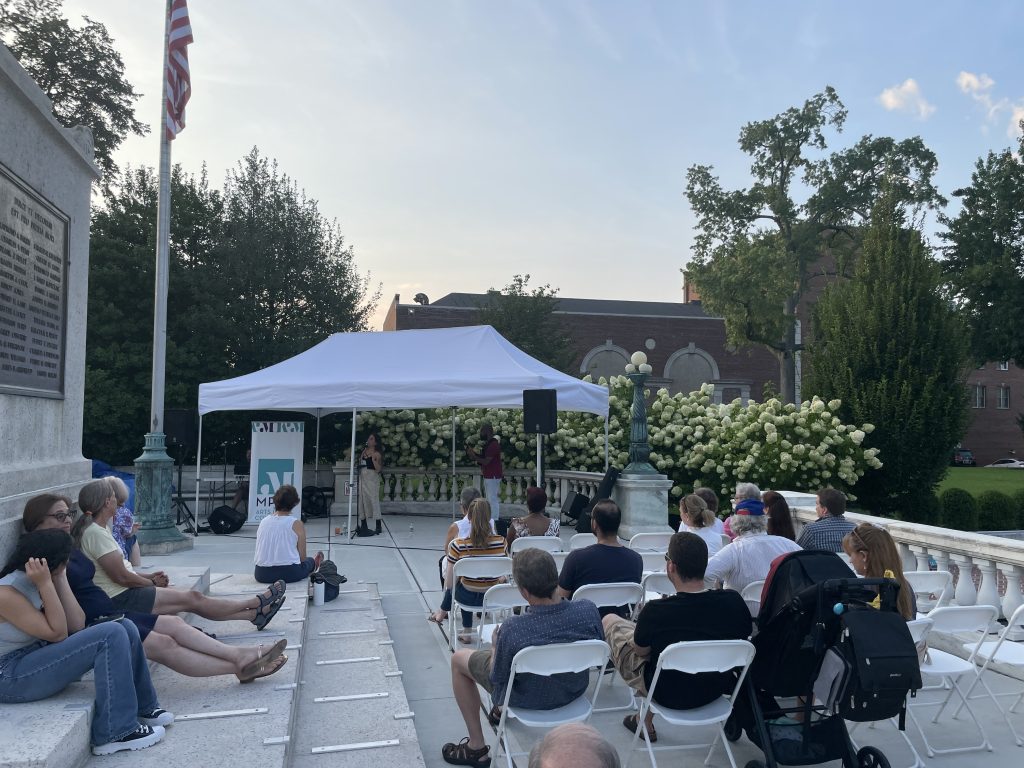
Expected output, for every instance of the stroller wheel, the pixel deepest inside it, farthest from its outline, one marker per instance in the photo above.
(732, 729)
(870, 757)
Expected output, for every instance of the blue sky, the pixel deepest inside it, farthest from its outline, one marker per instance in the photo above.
(459, 143)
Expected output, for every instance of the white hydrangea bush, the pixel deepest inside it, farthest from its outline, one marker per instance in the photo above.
(693, 441)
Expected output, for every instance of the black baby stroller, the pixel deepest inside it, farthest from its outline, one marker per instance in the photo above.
(818, 635)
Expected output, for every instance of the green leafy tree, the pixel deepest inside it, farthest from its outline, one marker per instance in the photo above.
(985, 257)
(757, 248)
(894, 351)
(79, 70)
(526, 317)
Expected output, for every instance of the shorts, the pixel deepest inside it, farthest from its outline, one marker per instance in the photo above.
(628, 663)
(136, 599)
(480, 669)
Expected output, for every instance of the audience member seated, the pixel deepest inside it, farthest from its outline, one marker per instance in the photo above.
(575, 745)
(828, 530)
(873, 554)
(45, 646)
(457, 530)
(780, 519)
(693, 613)
(536, 523)
(749, 557)
(168, 640)
(549, 620)
(696, 518)
(744, 492)
(123, 527)
(482, 541)
(711, 499)
(281, 543)
(606, 561)
(131, 591)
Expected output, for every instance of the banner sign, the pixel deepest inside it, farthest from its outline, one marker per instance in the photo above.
(276, 461)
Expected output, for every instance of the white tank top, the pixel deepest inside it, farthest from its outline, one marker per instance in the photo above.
(276, 542)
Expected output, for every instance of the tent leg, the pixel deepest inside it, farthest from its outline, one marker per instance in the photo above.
(199, 456)
(316, 460)
(351, 479)
(606, 443)
(454, 495)
(540, 458)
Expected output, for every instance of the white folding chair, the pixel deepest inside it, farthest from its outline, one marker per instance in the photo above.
(933, 589)
(751, 595)
(559, 558)
(474, 568)
(652, 542)
(580, 540)
(547, 660)
(950, 668)
(499, 601)
(1005, 653)
(547, 543)
(653, 561)
(919, 629)
(657, 585)
(694, 657)
(613, 595)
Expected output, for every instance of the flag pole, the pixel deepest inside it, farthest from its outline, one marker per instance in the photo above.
(158, 533)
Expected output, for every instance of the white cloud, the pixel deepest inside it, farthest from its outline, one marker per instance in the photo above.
(979, 88)
(906, 97)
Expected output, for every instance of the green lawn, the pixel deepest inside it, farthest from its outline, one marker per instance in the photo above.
(974, 480)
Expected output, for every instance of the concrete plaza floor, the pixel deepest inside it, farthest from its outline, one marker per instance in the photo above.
(403, 562)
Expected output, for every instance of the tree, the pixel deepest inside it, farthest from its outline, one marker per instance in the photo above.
(894, 351)
(77, 68)
(985, 257)
(757, 249)
(526, 318)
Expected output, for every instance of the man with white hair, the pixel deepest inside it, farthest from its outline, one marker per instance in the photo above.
(749, 557)
(575, 745)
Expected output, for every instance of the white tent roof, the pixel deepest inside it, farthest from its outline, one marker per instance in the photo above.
(473, 367)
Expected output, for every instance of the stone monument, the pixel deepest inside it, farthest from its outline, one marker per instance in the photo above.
(46, 175)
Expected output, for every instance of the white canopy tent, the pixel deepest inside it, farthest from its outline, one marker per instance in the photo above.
(471, 367)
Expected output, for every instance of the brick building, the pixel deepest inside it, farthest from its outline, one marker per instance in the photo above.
(687, 348)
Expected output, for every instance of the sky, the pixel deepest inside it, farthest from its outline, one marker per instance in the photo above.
(461, 142)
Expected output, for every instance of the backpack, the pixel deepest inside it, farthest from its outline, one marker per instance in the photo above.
(879, 666)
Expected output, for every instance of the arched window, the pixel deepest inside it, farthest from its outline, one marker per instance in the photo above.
(606, 360)
(690, 367)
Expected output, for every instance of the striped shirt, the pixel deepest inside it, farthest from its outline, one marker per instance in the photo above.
(460, 548)
(826, 533)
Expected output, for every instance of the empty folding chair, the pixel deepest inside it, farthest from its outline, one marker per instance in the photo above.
(547, 543)
(657, 585)
(474, 568)
(949, 669)
(499, 601)
(653, 561)
(652, 542)
(933, 589)
(548, 660)
(751, 595)
(613, 595)
(580, 540)
(693, 658)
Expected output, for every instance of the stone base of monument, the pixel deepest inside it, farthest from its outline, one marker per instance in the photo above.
(643, 499)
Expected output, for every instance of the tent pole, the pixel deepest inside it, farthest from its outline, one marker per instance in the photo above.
(540, 453)
(351, 479)
(316, 465)
(199, 455)
(454, 495)
(606, 442)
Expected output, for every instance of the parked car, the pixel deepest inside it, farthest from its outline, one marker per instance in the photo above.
(963, 457)
(1006, 464)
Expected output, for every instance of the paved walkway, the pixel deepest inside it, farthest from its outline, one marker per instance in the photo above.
(402, 565)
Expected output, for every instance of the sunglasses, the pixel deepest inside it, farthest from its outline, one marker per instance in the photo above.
(62, 517)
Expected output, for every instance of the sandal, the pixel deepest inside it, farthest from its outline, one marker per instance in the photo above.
(630, 721)
(494, 716)
(461, 754)
(263, 617)
(436, 619)
(252, 670)
(276, 589)
(267, 669)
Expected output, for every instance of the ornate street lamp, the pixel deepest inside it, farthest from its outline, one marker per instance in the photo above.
(637, 371)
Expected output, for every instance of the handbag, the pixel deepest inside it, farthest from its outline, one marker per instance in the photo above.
(328, 575)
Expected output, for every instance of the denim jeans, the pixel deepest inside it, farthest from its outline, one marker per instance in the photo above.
(467, 597)
(268, 574)
(113, 650)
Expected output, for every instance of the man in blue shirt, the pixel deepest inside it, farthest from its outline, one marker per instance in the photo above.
(549, 620)
(828, 530)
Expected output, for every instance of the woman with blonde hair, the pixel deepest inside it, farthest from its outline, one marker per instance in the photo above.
(873, 554)
(696, 517)
(482, 541)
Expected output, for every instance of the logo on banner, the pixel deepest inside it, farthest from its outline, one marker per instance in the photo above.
(271, 474)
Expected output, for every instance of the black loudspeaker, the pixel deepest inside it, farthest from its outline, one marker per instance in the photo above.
(540, 411)
(180, 427)
(226, 519)
(574, 504)
(604, 490)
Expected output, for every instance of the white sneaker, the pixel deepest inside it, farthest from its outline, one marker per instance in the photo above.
(142, 737)
(156, 717)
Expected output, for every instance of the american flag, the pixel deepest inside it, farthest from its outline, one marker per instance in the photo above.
(179, 87)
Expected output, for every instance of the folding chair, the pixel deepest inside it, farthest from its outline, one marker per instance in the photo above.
(693, 657)
(657, 585)
(499, 599)
(653, 561)
(652, 542)
(928, 583)
(919, 630)
(547, 660)
(559, 559)
(751, 595)
(1001, 652)
(950, 668)
(613, 595)
(580, 540)
(547, 543)
(474, 568)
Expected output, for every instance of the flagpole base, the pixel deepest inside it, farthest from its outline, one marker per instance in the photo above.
(158, 534)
